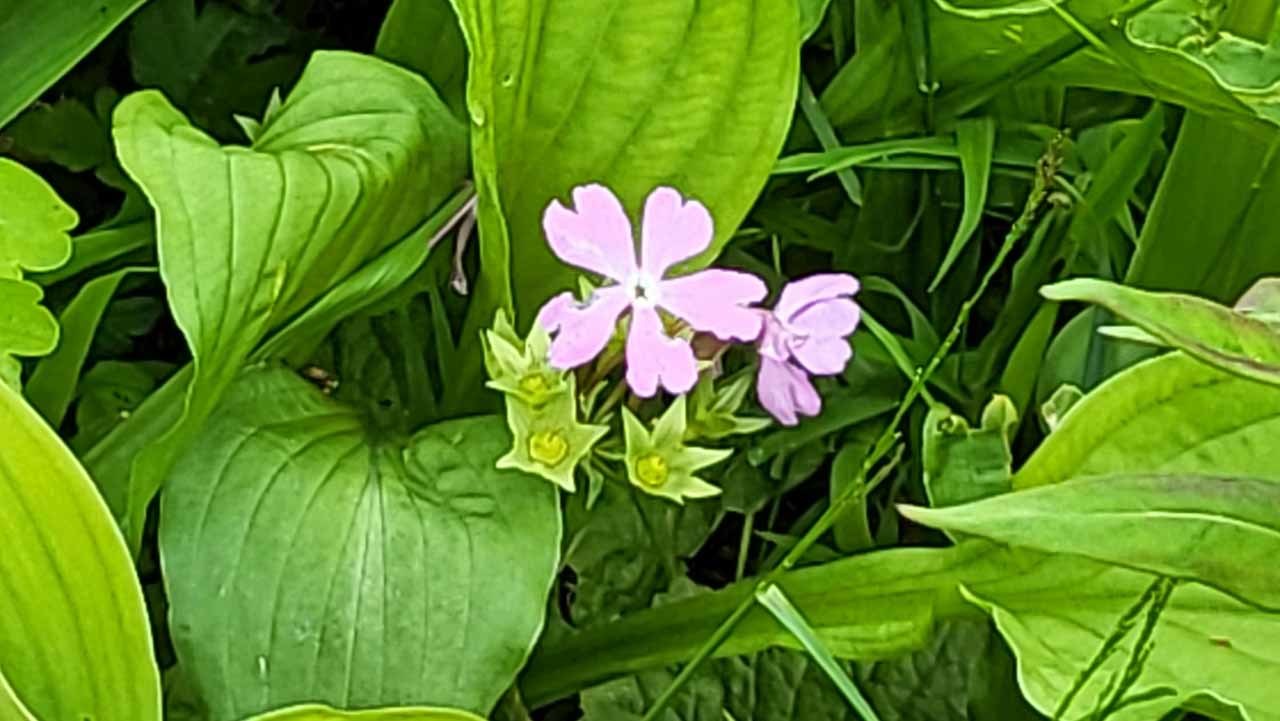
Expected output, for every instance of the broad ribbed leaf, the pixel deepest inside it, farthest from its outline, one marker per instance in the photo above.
(698, 95)
(356, 157)
(74, 637)
(1168, 415)
(44, 38)
(1212, 333)
(310, 556)
(1224, 532)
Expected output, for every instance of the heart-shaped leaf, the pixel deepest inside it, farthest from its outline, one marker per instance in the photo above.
(311, 557)
(74, 637)
(356, 157)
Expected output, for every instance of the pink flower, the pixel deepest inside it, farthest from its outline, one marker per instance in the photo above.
(597, 236)
(806, 333)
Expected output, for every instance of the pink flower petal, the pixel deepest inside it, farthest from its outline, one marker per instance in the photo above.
(673, 230)
(654, 359)
(774, 338)
(827, 318)
(715, 301)
(799, 294)
(595, 235)
(822, 356)
(553, 313)
(582, 330)
(785, 391)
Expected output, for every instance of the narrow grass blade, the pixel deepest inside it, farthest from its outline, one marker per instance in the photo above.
(773, 599)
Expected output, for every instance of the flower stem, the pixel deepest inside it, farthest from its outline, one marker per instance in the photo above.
(1046, 171)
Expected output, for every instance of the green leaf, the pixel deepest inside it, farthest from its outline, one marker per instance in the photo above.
(66, 133)
(965, 672)
(790, 617)
(34, 223)
(1169, 415)
(248, 237)
(632, 95)
(1206, 644)
(44, 38)
(1216, 255)
(74, 637)
(1215, 334)
(976, 143)
(310, 556)
(26, 327)
(312, 712)
(211, 59)
(424, 36)
(53, 383)
(963, 464)
(1214, 530)
(108, 394)
(11, 707)
(773, 685)
(881, 604)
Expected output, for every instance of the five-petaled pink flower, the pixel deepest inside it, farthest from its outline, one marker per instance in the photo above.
(806, 333)
(596, 236)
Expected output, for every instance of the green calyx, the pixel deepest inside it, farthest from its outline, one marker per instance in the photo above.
(713, 411)
(548, 440)
(518, 367)
(659, 463)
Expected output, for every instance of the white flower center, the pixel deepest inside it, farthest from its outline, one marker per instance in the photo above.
(644, 289)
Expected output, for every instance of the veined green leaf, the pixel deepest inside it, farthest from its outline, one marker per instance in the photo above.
(976, 143)
(44, 38)
(1054, 610)
(312, 553)
(1218, 531)
(359, 153)
(1205, 644)
(313, 712)
(1212, 333)
(1168, 415)
(74, 638)
(695, 95)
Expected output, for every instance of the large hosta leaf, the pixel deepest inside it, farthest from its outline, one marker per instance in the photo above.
(356, 157)
(312, 557)
(1222, 531)
(74, 639)
(698, 95)
(1170, 415)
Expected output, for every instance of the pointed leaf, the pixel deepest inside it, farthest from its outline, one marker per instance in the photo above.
(1215, 334)
(248, 237)
(976, 143)
(1223, 532)
(1171, 414)
(75, 641)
